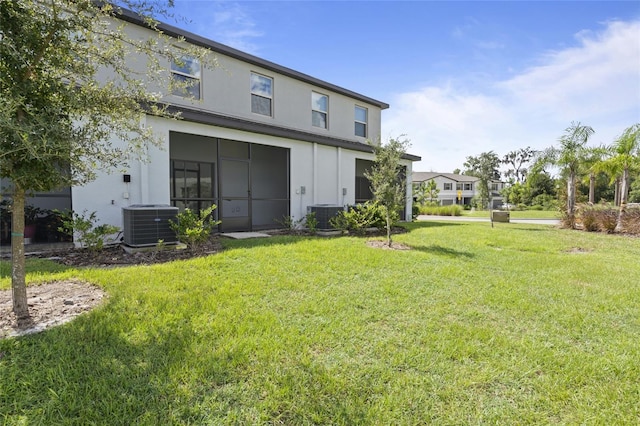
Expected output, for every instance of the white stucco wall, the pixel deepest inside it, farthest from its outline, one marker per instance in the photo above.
(322, 170)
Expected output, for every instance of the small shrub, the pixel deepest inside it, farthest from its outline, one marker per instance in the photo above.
(415, 211)
(597, 218)
(450, 210)
(589, 218)
(194, 229)
(90, 235)
(608, 219)
(311, 222)
(359, 217)
(631, 221)
(286, 222)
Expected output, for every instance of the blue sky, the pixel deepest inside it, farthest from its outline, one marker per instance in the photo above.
(461, 77)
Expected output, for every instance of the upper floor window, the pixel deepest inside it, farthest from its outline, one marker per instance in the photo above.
(448, 186)
(458, 186)
(185, 73)
(261, 94)
(495, 186)
(361, 121)
(319, 110)
(468, 186)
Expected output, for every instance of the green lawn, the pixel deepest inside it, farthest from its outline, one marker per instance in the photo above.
(513, 324)
(518, 214)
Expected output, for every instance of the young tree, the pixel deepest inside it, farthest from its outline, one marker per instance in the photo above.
(420, 192)
(432, 191)
(388, 180)
(485, 167)
(569, 157)
(56, 117)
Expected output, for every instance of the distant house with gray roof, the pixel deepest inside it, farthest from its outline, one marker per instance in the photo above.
(458, 189)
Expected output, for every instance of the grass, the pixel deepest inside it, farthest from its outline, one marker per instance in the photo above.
(514, 324)
(518, 214)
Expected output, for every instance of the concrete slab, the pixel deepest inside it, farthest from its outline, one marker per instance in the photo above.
(244, 235)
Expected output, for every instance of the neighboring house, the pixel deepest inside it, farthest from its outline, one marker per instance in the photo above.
(259, 140)
(458, 189)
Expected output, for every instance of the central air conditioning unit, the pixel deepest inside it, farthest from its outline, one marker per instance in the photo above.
(324, 212)
(146, 224)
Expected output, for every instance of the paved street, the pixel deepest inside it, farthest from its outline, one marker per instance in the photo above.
(486, 219)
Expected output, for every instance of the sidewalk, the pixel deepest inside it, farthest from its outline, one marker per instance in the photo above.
(553, 222)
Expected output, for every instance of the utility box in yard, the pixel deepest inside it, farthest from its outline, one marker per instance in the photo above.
(146, 224)
(499, 216)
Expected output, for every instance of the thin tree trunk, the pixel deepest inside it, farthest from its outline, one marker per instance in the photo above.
(18, 282)
(616, 193)
(592, 188)
(571, 198)
(624, 189)
(388, 228)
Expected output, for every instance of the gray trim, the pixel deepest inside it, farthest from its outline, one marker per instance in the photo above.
(170, 30)
(213, 119)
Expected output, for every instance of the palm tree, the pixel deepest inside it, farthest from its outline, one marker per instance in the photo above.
(593, 164)
(625, 159)
(569, 157)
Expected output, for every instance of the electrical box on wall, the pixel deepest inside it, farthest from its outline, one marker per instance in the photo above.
(126, 178)
(303, 190)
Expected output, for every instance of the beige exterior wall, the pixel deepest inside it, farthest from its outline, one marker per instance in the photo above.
(226, 90)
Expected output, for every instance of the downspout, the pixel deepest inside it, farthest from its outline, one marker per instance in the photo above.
(339, 180)
(315, 174)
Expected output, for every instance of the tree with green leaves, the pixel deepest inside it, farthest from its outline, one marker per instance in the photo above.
(593, 164)
(625, 159)
(432, 191)
(569, 156)
(388, 179)
(485, 167)
(67, 91)
(426, 190)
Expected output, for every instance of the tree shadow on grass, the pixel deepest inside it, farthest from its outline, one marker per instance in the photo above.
(33, 265)
(410, 226)
(126, 364)
(442, 251)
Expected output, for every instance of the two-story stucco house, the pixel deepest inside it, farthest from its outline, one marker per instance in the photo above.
(259, 140)
(458, 189)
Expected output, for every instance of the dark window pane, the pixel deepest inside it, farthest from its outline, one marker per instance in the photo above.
(187, 86)
(233, 149)
(319, 119)
(361, 130)
(260, 105)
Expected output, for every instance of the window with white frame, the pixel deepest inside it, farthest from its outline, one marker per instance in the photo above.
(448, 186)
(458, 186)
(319, 110)
(468, 186)
(495, 186)
(361, 121)
(261, 94)
(185, 73)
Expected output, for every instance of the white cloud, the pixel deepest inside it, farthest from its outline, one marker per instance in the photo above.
(225, 22)
(597, 83)
(233, 26)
